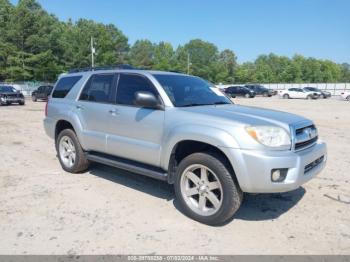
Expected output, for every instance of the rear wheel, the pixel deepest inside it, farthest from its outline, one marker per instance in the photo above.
(247, 95)
(70, 152)
(206, 189)
(265, 94)
(286, 96)
(22, 103)
(34, 98)
(348, 98)
(309, 97)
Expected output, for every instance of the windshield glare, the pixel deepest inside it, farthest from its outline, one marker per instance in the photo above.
(7, 89)
(186, 90)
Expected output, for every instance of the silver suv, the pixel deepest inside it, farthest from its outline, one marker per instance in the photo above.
(182, 130)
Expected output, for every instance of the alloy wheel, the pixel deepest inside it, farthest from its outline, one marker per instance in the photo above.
(201, 189)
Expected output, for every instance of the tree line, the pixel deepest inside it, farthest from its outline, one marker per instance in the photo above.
(36, 45)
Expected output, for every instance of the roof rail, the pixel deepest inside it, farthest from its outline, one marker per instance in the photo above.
(99, 68)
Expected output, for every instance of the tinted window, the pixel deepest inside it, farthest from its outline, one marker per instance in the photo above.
(99, 89)
(128, 85)
(64, 85)
(190, 91)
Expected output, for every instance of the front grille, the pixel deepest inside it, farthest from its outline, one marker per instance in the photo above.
(304, 144)
(12, 95)
(313, 164)
(305, 137)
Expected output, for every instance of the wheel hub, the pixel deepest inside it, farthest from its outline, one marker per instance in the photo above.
(202, 189)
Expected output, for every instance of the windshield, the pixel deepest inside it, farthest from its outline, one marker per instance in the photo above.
(7, 89)
(311, 89)
(186, 91)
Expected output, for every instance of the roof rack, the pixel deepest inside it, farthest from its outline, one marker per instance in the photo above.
(99, 68)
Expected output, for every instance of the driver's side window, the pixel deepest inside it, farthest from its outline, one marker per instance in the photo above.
(129, 85)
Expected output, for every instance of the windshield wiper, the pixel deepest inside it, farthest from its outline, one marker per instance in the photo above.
(211, 104)
(221, 103)
(195, 104)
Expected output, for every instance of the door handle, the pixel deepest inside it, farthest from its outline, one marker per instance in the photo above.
(79, 107)
(113, 111)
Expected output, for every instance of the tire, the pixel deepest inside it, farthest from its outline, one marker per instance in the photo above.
(228, 192)
(247, 95)
(265, 94)
(323, 96)
(286, 96)
(80, 162)
(22, 103)
(348, 98)
(34, 98)
(309, 97)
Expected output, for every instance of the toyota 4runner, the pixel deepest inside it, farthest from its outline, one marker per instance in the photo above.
(182, 130)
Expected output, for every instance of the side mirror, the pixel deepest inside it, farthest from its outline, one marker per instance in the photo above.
(147, 100)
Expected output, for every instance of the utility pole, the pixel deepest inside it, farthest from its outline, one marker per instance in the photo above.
(93, 51)
(188, 63)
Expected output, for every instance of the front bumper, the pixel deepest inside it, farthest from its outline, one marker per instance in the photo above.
(253, 168)
(12, 99)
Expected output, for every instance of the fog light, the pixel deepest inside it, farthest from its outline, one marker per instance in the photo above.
(276, 175)
(279, 175)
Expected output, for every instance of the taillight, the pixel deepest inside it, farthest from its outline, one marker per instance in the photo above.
(47, 103)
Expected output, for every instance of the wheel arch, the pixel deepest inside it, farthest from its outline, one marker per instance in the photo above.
(186, 147)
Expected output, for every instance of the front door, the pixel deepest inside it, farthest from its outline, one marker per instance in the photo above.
(135, 133)
(93, 109)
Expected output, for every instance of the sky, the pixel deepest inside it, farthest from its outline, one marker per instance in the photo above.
(316, 28)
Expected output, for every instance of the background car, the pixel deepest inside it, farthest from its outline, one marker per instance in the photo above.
(298, 93)
(234, 91)
(322, 94)
(345, 95)
(10, 95)
(261, 90)
(42, 93)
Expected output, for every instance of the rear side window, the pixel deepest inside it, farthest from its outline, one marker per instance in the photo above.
(99, 89)
(64, 85)
(130, 84)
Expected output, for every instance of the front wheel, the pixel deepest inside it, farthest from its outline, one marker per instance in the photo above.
(309, 97)
(247, 95)
(348, 98)
(34, 98)
(206, 189)
(70, 152)
(286, 96)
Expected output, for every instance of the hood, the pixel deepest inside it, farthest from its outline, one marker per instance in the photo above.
(246, 115)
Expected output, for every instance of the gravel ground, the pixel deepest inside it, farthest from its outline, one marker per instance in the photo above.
(44, 210)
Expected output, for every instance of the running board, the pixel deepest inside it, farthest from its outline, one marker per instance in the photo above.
(128, 165)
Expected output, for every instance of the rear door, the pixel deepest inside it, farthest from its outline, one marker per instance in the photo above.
(93, 109)
(135, 133)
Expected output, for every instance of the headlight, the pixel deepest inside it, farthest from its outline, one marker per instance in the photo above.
(270, 136)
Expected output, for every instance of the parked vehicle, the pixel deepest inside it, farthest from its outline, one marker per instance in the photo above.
(182, 130)
(10, 95)
(298, 93)
(346, 95)
(234, 91)
(321, 94)
(42, 93)
(261, 90)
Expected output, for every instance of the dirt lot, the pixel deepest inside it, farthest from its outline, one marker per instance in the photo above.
(44, 210)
